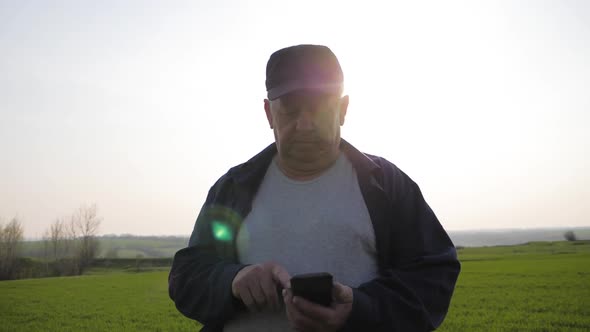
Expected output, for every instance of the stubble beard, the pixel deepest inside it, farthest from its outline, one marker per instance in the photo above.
(307, 157)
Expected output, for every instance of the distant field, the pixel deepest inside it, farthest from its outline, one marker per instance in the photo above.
(480, 238)
(535, 287)
(123, 246)
(128, 246)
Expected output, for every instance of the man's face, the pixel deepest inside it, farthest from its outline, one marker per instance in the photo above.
(307, 125)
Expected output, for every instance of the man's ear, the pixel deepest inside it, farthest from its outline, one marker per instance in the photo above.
(343, 108)
(268, 112)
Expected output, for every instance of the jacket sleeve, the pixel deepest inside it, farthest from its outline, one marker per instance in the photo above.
(413, 292)
(200, 278)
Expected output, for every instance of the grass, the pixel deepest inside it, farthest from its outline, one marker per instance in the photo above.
(103, 302)
(543, 286)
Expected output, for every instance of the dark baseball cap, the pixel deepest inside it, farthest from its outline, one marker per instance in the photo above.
(303, 67)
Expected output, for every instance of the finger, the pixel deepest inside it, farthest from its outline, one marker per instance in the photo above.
(312, 310)
(258, 294)
(279, 289)
(296, 318)
(287, 297)
(281, 276)
(269, 289)
(246, 297)
(302, 322)
(342, 293)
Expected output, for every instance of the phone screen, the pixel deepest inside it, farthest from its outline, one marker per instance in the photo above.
(315, 287)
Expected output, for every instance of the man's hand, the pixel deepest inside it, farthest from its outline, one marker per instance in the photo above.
(306, 316)
(256, 285)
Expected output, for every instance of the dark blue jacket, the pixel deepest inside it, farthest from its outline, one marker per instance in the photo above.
(417, 261)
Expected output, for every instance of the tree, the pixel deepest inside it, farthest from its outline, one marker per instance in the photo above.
(56, 237)
(84, 227)
(11, 237)
(570, 236)
(57, 244)
(72, 244)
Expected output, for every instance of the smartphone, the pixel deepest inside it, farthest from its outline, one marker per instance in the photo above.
(315, 287)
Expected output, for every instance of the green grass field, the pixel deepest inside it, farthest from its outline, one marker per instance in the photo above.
(98, 302)
(542, 286)
(536, 287)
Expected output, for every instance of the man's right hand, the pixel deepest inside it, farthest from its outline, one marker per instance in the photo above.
(256, 285)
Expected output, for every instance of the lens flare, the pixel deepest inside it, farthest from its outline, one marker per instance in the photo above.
(222, 231)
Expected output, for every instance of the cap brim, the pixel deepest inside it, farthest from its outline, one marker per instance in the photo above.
(289, 87)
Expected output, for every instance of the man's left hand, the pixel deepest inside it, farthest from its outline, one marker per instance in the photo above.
(306, 316)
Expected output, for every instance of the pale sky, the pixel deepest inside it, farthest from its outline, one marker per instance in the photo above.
(139, 106)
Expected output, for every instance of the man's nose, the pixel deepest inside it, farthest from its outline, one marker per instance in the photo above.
(305, 120)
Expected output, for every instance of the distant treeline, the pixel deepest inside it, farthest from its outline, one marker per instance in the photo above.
(467, 238)
(134, 246)
(482, 238)
(132, 263)
(122, 246)
(68, 247)
(26, 267)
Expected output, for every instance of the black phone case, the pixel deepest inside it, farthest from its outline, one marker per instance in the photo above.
(315, 287)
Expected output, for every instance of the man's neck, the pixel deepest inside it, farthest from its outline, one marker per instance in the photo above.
(306, 171)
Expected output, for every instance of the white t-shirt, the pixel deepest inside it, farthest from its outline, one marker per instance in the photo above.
(320, 225)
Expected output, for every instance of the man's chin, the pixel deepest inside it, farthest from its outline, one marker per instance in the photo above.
(307, 154)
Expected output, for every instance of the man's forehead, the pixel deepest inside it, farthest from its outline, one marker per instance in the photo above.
(308, 96)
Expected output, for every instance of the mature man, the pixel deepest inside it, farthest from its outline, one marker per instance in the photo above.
(311, 202)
